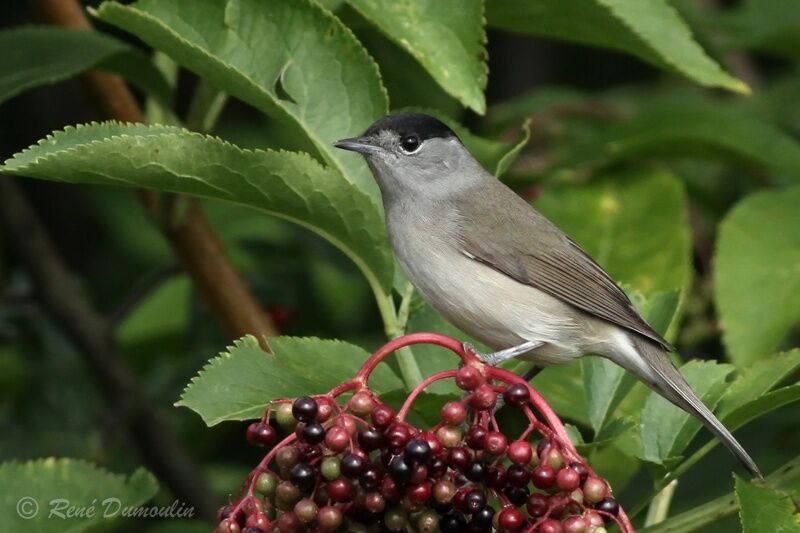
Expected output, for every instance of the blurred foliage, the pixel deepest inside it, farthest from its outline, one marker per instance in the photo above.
(653, 157)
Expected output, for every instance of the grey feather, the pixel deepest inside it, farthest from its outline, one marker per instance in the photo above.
(670, 383)
(501, 230)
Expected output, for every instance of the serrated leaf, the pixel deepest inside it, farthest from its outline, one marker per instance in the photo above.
(677, 127)
(761, 406)
(36, 56)
(652, 31)
(763, 509)
(445, 36)
(606, 382)
(337, 361)
(666, 429)
(291, 59)
(756, 273)
(36, 494)
(289, 185)
(758, 379)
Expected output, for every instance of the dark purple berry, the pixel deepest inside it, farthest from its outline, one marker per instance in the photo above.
(580, 469)
(437, 468)
(496, 478)
(474, 500)
(517, 394)
(400, 471)
(483, 517)
(459, 458)
(313, 433)
(452, 523)
(302, 475)
(371, 478)
(517, 495)
(305, 409)
(518, 475)
(608, 505)
(476, 471)
(475, 437)
(260, 434)
(418, 451)
(370, 438)
(352, 465)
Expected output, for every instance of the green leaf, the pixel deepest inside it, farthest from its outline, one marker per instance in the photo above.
(756, 274)
(765, 509)
(36, 56)
(291, 59)
(758, 379)
(681, 127)
(652, 31)
(765, 26)
(36, 494)
(666, 429)
(607, 383)
(445, 36)
(761, 406)
(289, 185)
(239, 383)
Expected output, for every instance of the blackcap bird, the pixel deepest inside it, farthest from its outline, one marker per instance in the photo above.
(500, 271)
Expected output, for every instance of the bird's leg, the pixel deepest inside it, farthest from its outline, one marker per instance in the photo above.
(495, 358)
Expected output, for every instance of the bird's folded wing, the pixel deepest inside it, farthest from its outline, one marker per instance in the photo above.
(536, 253)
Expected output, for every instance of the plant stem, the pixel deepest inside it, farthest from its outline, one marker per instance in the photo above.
(395, 326)
(659, 507)
(205, 107)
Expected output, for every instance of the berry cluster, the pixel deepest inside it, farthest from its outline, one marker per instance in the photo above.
(359, 466)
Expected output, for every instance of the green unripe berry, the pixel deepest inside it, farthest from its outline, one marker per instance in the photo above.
(284, 416)
(266, 483)
(331, 468)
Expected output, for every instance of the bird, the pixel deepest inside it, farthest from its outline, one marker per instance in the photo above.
(500, 271)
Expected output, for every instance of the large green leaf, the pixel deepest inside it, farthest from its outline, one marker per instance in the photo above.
(765, 26)
(756, 273)
(651, 30)
(765, 509)
(289, 185)
(758, 379)
(691, 127)
(667, 430)
(291, 59)
(239, 383)
(35, 56)
(445, 36)
(36, 495)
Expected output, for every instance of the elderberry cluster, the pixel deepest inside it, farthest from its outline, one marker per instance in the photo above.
(360, 466)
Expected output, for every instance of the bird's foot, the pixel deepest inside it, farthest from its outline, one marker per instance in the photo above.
(496, 358)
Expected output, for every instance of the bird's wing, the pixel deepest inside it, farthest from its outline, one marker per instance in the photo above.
(521, 243)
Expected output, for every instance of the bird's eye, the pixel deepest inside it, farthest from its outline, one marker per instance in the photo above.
(410, 143)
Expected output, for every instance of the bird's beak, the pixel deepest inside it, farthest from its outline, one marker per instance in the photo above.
(361, 145)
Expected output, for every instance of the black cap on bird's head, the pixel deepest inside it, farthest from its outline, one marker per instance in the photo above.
(408, 130)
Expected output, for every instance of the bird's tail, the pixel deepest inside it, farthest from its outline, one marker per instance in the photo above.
(667, 381)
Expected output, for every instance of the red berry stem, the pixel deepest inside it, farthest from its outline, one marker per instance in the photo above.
(401, 414)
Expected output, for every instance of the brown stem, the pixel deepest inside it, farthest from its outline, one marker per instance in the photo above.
(192, 239)
(63, 299)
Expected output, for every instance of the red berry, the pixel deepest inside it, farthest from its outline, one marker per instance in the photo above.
(382, 416)
(289, 523)
(325, 409)
(517, 394)
(459, 458)
(337, 439)
(582, 471)
(228, 526)
(594, 519)
(496, 478)
(495, 443)
(574, 524)
(594, 489)
(510, 519)
(568, 479)
(361, 403)
(544, 477)
(520, 452)
(475, 436)
(434, 443)
(469, 377)
(389, 489)
(454, 413)
(536, 505)
(256, 522)
(550, 526)
(260, 434)
(484, 397)
(339, 489)
(397, 436)
(374, 502)
(419, 493)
